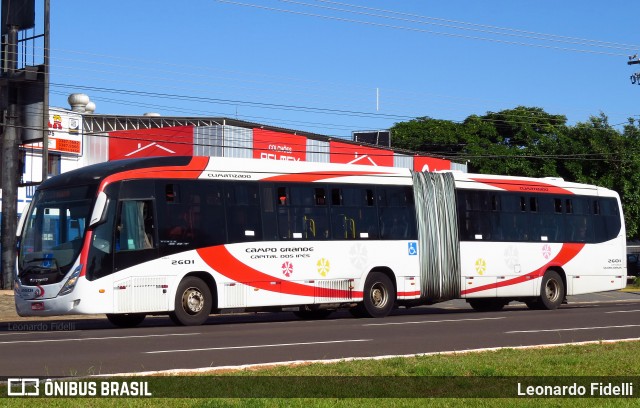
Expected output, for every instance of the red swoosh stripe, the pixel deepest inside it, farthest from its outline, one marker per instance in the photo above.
(523, 186)
(567, 253)
(221, 260)
(84, 254)
(318, 176)
(191, 171)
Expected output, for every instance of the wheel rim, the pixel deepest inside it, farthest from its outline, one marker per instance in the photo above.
(379, 295)
(192, 301)
(552, 290)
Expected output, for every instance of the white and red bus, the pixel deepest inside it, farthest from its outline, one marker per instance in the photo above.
(192, 236)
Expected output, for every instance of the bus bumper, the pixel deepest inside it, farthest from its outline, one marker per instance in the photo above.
(46, 307)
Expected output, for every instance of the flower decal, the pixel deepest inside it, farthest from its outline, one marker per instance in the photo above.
(287, 269)
(324, 266)
(481, 266)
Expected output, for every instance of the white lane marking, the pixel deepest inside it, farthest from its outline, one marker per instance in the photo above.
(183, 371)
(16, 333)
(96, 338)
(623, 311)
(257, 346)
(434, 321)
(574, 329)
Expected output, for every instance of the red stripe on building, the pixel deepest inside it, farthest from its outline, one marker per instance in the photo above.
(169, 141)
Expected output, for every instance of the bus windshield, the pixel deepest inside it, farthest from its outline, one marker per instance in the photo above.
(53, 233)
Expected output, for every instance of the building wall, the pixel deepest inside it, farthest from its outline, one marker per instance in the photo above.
(74, 149)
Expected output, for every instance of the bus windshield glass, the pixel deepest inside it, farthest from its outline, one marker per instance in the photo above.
(53, 233)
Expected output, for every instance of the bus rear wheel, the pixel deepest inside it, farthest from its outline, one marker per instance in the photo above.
(193, 302)
(552, 291)
(379, 297)
(126, 319)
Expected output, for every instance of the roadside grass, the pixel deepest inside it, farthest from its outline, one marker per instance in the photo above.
(451, 373)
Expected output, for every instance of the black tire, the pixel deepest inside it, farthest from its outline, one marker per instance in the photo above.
(379, 297)
(126, 319)
(193, 302)
(317, 314)
(487, 305)
(552, 291)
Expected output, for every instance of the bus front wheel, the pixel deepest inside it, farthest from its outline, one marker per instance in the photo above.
(193, 302)
(379, 297)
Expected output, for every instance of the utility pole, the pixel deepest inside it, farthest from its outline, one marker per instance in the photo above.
(23, 101)
(10, 142)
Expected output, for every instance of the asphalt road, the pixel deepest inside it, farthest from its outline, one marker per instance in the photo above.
(82, 347)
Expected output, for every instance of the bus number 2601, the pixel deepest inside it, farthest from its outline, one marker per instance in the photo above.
(183, 262)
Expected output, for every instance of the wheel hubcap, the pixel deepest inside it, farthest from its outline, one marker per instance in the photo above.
(552, 290)
(193, 300)
(379, 296)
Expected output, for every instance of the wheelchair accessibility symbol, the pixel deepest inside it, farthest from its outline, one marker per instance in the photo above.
(47, 261)
(413, 248)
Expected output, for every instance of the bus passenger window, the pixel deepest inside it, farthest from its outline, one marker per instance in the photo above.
(282, 196)
(580, 230)
(558, 205)
(135, 228)
(320, 196)
(185, 226)
(242, 211)
(568, 206)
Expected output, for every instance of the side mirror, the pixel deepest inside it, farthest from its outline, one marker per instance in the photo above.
(22, 219)
(99, 210)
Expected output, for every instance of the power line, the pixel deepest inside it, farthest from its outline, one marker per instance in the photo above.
(413, 29)
(419, 97)
(268, 105)
(502, 30)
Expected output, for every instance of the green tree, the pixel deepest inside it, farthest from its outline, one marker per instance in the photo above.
(527, 141)
(529, 134)
(425, 134)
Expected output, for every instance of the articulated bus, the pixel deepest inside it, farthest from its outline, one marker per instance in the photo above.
(193, 236)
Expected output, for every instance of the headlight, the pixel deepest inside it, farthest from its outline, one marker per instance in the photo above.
(71, 282)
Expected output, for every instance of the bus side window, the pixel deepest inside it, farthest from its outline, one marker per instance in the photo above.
(353, 213)
(135, 227)
(242, 209)
(269, 214)
(397, 213)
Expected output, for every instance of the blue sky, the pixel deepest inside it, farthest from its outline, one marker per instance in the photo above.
(332, 67)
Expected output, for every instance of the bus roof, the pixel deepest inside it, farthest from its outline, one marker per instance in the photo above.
(266, 169)
(95, 172)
